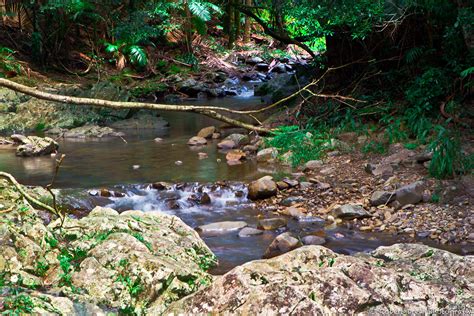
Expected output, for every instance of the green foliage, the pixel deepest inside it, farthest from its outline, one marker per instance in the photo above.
(17, 305)
(41, 268)
(8, 63)
(304, 144)
(447, 156)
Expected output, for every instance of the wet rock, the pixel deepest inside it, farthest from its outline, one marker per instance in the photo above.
(313, 280)
(281, 244)
(267, 154)
(261, 66)
(410, 194)
(205, 199)
(381, 198)
(238, 139)
(34, 146)
(222, 227)
(349, 211)
(313, 240)
(197, 141)
(262, 188)
(272, 223)
(207, 132)
(160, 186)
(235, 155)
(249, 231)
(255, 60)
(92, 131)
(313, 165)
(202, 155)
(226, 144)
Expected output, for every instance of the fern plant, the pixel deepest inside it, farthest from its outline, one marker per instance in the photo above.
(123, 52)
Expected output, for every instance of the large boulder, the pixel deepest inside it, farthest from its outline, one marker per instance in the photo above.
(119, 262)
(262, 188)
(35, 146)
(313, 280)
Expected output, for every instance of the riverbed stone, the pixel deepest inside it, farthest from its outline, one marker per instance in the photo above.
(92, 131)
(35, 146)
(313, 240)
(381, 198)
(349, 211)
(272, 223)
(313, 280)
(197, 141)
(281, 244)
(267, 154)
(226, 144)
(411, 193)
(262, 188)
(207, 132)
(313, 165)
(235, 155)
(249, 231)
(238, 139)
(222, 227)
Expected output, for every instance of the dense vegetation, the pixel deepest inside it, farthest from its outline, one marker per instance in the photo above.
(407, 63)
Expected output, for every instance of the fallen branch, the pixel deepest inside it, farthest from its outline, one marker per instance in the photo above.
(205, 110)
(28, 197)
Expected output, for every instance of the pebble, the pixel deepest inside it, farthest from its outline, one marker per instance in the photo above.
(178, 162)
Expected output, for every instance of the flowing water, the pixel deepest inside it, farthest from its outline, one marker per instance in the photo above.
(129, 167)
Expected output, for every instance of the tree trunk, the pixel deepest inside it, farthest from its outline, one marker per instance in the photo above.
(248, 24)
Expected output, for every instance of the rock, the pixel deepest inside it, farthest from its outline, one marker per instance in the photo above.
(103, 211)
(202, 155)
(249, 231)
(221, 227)
(207, 132)
(313, 240)
(424, 157)
(160, 186)
(92, 131)
(261, 66)
(349, 211)
(305, 185)
(267, 154)
(313, 280)
(197, 141)
(296, 212)
(158, 140)
(381, 198)
(380, 170)
(235, 155)
(262, 188)
(250, 148)
(290, 182)
(205, 199)
(226, 144)
(313, 165)
(272, 223)
(289, 201)
(410, 194)
(238, 139)
(35, 146)
(282, 185)
(327, 171)
(280, 68)
(281, 244)
(348, 137)
(255, 60)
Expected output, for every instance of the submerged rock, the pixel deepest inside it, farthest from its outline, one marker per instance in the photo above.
(272, 223)
(249, 231)
(222, 227)
(313, 280)
(34, 145)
